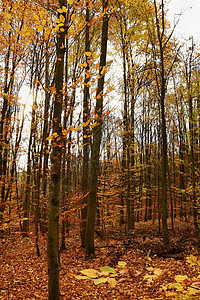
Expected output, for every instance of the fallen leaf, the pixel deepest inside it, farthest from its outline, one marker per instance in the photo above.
(122, 264)
(81, 277)
(100, 280)
(112, 282)
(91, 273)
(181, 278)
(123, 271)
(108, 269)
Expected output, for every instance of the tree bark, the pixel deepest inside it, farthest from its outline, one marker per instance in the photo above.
(53, 222)
(85, 177)
(97, 135)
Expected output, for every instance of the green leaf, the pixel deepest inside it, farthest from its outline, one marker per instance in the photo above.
(100, 280)
(108, 269)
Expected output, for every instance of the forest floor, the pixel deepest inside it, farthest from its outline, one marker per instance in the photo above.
(137, 266)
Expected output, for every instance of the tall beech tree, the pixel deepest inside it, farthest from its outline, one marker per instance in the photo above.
(163, 63)
(53, 222)
(188, 70)
(85, 177)
(97, 135)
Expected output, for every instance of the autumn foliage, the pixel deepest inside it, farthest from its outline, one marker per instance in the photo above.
(99, 152)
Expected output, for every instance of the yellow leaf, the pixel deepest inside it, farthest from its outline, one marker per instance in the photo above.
(70, 2)
(175, 285)
(73, 17)
(103, 71)
(91, 273)
(193, 258)
(39, 28)
(41, 13)
(9, 16)
(81, 277)
(149, 258)
(95, 56)
(64, 8)
(62, 19)
(88, 53)
(100, 280)
(192, 290)
(181, 278)
(64, 132)
(158, 272)
(49, 138)
(56, 28)
(55, 135)
(94, 125)
(60, 10)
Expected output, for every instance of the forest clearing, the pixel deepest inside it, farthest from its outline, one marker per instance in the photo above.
(99, 151)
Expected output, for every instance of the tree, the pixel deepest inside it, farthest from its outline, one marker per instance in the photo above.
(160, 40)
(97, 134)
(85, 177)
(53, 222)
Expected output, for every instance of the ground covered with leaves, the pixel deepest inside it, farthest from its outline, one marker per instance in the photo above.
(137, 266)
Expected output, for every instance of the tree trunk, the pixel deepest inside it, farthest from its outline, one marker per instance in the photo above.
(53, 222)
(97, 134)
(85, 177)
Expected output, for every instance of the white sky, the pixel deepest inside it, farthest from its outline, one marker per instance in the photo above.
(189, 24)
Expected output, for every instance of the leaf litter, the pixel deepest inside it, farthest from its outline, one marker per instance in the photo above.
(118, 273)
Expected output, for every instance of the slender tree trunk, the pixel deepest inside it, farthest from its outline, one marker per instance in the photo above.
(85, 177)
(28, 178)
(53, 222)
(162, 91)
(192, 136)
(97, 134)
(126, 138)
(44, 148)
(65, 120)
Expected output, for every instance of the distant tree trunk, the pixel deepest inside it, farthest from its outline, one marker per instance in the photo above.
(44, 148)
(65, 120)
(158, 180)
(85, 177)
(162, 85)
(53, 222)
(126, 138)
(26, 205)
(192, 135)
(148, 209)
(97, 134)
(5, 112)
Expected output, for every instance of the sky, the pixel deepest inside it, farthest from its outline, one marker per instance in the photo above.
(189, 23)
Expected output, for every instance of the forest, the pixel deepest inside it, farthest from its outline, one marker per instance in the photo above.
(99, 151)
